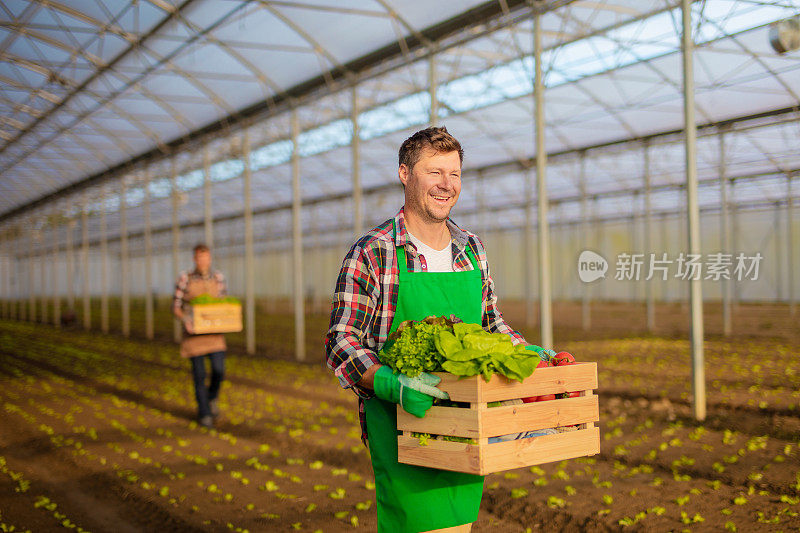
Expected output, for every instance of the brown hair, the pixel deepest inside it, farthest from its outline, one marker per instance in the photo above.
(436, 138)
(200, 248)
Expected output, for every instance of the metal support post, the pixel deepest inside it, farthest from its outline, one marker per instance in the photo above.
(125, 271)
(316, 261)
(87, 305)
(30, 275)
(545, 299)
(272, 284)
(71, 223)
(358, 213)
(8, 300)
(42, 275)
(208, 221)
(249, 256)
(790, 248)
(104, 263)
(480, 194)
(4, 273)
(693, 212)
(776, 227)
(734, 214)
(528, 257)
(725, 236)
(297, 245)
(55, 274)
(177, 333)
(432, 84)
(634, 293)
(21, 308)
(648, 238)
(149, 325)
(586, 297)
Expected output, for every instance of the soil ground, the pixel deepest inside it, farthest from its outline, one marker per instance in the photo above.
(96, 434)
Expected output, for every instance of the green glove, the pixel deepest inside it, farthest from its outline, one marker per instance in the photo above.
(415, 395)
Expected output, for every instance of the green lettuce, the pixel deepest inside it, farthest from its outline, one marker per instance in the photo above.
(464, 350)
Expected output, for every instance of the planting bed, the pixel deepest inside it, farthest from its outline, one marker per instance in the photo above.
(96, 434)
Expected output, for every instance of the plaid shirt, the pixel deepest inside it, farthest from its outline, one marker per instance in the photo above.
(182, 285)
(366, 298)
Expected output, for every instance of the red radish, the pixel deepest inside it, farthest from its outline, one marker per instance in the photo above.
(545, 397)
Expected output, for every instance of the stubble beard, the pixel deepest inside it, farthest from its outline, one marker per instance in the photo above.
(431, 216)
(423, 210)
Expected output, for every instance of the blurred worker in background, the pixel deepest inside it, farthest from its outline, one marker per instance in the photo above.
(198, 348)
(417, 264)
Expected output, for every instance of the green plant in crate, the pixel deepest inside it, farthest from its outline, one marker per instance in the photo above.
(206, 298)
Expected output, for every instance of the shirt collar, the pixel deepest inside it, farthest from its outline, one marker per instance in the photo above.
(458, 236)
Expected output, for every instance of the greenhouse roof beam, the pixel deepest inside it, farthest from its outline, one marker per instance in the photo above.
(79, 89)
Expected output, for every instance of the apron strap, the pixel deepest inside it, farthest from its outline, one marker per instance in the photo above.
(402, 264)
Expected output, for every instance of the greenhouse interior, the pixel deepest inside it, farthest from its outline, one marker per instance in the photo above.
(632, 169)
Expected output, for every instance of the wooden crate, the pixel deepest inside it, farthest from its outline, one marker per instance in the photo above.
(481, 422)
(216, 318)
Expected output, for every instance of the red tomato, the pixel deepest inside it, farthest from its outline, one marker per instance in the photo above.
(545, 397)
(563, 358)
(530, 399)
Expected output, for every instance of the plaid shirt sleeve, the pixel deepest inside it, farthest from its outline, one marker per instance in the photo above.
(180, 291)
(493, 321)
(355, 302)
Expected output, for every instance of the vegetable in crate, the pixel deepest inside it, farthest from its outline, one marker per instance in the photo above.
(559, 359)
(458, 348)
(470, 351)
(208, 299)
(411, 349)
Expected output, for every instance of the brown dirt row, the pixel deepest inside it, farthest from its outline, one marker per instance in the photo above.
(655, 462)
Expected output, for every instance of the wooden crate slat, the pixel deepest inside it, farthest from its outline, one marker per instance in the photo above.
(444, 455)
(538, 450)
(460, 390)
(441, 421)
(217, 318)
(462, 422)
(500, 456)
(540, 415)
(548, 380)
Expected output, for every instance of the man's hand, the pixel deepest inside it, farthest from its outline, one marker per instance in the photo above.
(367, 378)
(415, 395)
(189, 325)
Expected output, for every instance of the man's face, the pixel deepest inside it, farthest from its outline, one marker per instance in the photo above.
(433, 185)
(202, 261)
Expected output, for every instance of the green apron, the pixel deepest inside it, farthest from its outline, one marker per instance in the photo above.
(414, 498)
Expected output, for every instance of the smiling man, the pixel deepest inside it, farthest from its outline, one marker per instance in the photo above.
(417, 264)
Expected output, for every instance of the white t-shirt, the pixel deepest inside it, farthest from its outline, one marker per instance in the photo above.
(438, 260)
